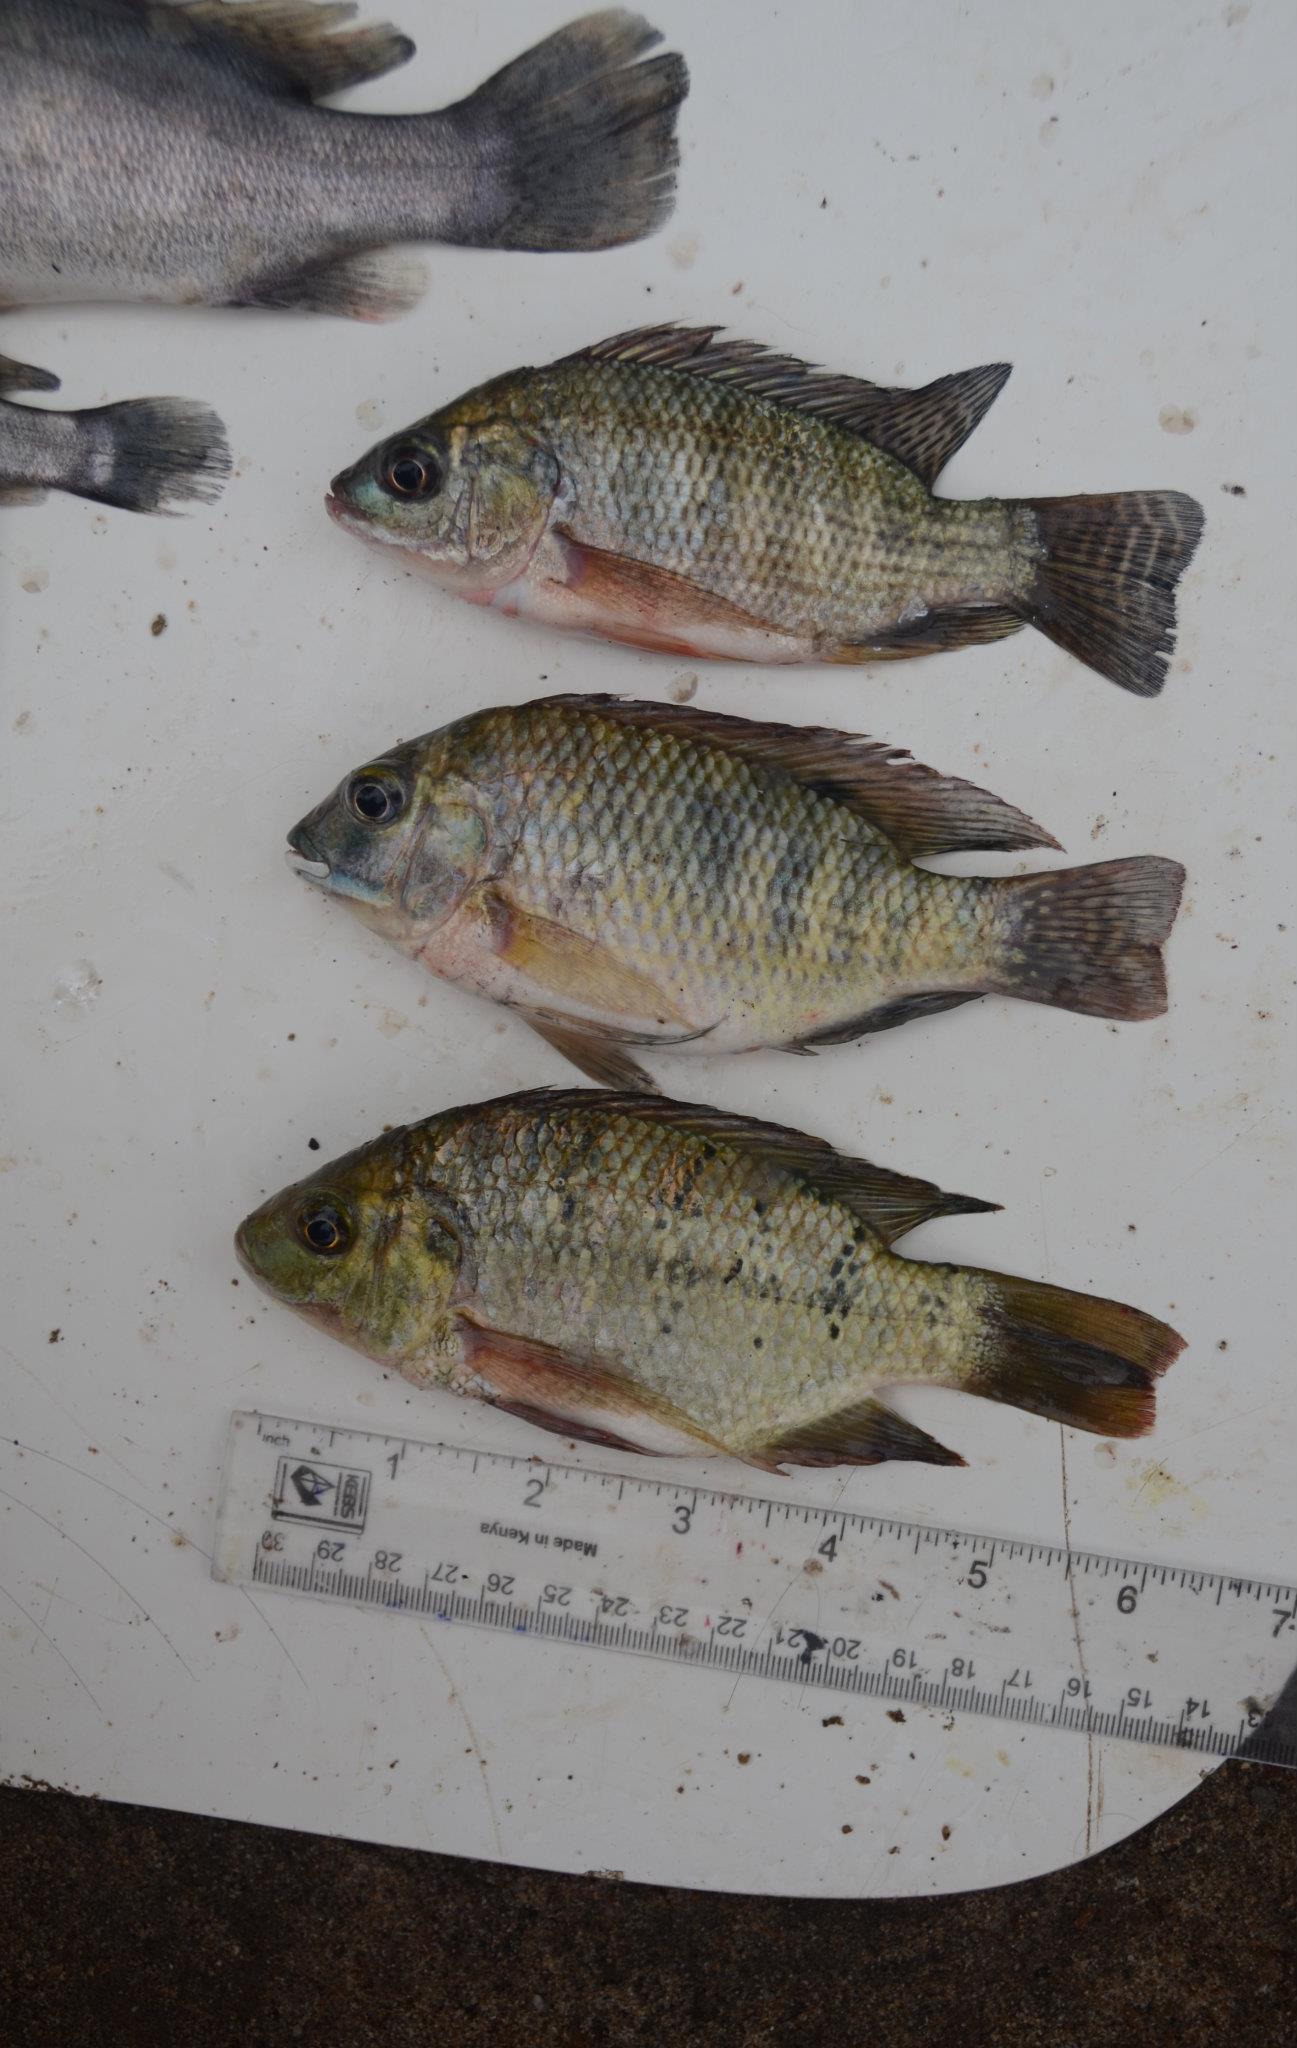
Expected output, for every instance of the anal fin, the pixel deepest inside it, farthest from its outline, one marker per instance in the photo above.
(368, 284)
(865, 1434)
(935, 632)
(887, 1016)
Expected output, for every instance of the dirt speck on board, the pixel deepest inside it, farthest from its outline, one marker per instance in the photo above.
(1177, 419)
(158, 624)
(685, 687)
(55, 1336)
(832, 1721)
(1234, 490)
(684, 251)
(35, 581)
(895, 1714)
(744, 1756)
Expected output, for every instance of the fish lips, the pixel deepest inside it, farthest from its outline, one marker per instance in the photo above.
(305, 859)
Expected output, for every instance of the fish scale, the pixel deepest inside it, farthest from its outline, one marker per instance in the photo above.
(663, 1277)
(704, 496)
(630, 874)
(792, 519)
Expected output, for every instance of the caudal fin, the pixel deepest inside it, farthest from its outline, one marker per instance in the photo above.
(1104, 586)
(1072, 1358)
(148, 454)
(1090, 939)
(576, 139)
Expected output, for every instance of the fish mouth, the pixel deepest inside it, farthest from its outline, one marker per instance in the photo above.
(341, 511)
(304, 857)
(242, 1251)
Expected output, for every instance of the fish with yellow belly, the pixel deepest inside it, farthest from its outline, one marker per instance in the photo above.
(661, 1277)
(631, 875)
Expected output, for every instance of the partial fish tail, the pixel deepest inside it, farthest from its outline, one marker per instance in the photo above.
(1102, 577)
(147, 454)
(576, 140)
(1073, 1358)
(1086, 939)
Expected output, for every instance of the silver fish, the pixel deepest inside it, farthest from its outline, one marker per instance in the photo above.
(145, 454)
(174, 150)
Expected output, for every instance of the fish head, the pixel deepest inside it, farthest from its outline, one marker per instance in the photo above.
(401, 840)
(466, 493)
(366, 1251)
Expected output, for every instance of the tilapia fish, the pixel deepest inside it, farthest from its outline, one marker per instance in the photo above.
(174, 150)
(661, 1277)
(146, 454)
(708, 498)
(628, 874)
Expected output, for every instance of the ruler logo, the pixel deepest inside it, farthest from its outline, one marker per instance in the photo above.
(331, 1496)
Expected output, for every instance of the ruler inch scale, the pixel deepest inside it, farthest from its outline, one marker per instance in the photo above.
(746, 1585)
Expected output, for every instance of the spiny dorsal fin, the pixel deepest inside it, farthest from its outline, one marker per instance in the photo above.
(922, 429)
(294, 40)
(867, 1434)
(920, 811)
(15, 376)
(890, 1203)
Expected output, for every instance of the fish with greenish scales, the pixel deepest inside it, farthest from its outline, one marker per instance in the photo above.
(708, 498)
(653, 875)
(662, 1277)
(177, 150)
(146, 454)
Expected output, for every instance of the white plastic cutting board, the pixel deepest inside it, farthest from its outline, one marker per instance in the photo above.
(899, 189)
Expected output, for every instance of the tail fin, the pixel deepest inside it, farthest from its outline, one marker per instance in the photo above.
(578, 138)
(147, 454)
(1089, 939)
(1104, 587)
(1072, 1358)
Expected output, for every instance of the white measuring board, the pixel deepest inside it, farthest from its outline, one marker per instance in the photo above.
(882, 1608)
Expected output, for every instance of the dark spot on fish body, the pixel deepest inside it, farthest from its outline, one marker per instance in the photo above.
(834, 1333)
(568, 1210)
(733, 1273)
(758, 1343)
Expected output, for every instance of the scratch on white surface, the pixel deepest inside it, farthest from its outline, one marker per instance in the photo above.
(483, 1768)
(63, 1409)
(1163, 1199)
(15, 1602)
(140, 1509)
(1090, 1777)
(19, 1502)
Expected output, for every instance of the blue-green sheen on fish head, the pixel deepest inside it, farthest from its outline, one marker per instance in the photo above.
(468, 491)
(401, 839)
(361, 1248)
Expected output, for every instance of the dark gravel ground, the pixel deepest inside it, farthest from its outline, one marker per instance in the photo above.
(121, 1927)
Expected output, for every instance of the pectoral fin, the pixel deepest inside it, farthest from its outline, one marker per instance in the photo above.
(566, 964)
(649, 607)
(574, 1394)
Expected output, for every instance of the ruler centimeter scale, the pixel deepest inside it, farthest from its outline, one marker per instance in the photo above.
(752, 1585)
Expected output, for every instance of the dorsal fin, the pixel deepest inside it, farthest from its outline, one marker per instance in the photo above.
(922, 429)
(920, 811)
(890, 1203)
(15, 376)
(294, 40)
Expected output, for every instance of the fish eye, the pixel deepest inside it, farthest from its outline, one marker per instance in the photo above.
(324, 1229)
(412, 473)
(376, 796)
